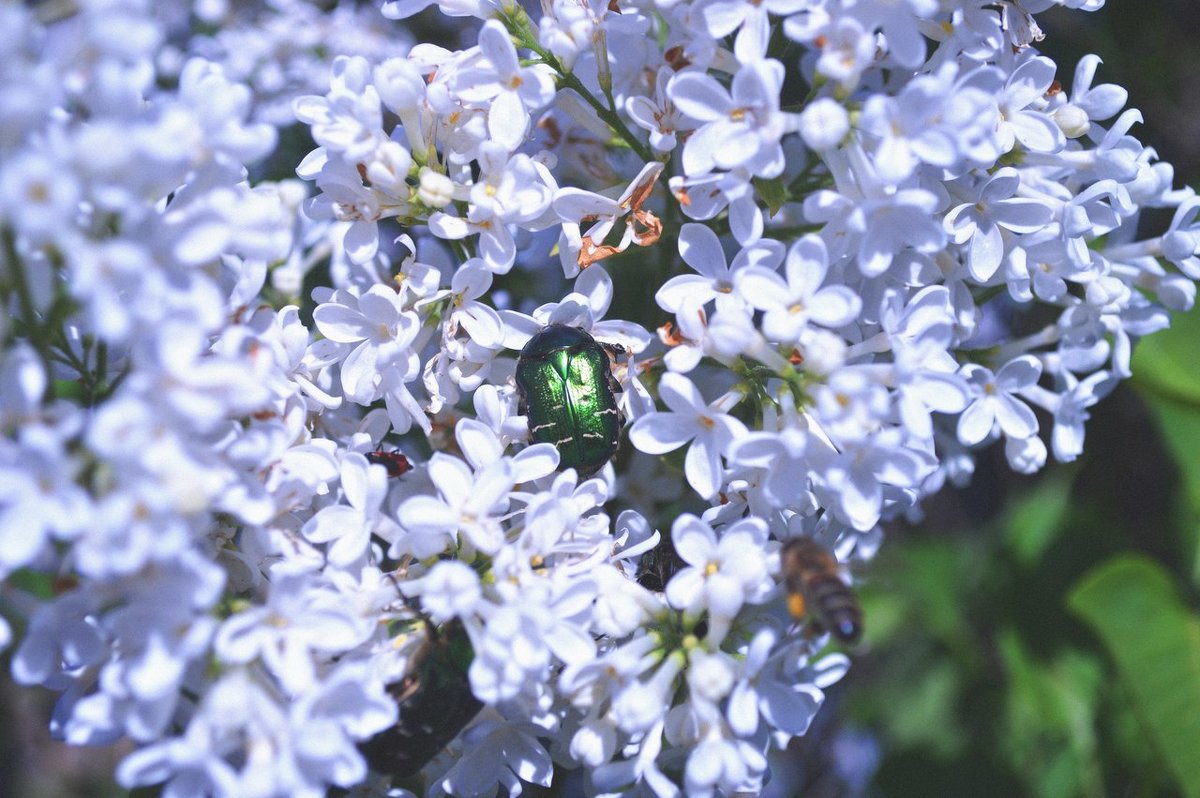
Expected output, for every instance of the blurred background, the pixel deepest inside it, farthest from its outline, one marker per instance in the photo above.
(1029, 636)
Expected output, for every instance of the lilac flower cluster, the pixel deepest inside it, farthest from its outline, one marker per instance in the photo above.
(871, 235)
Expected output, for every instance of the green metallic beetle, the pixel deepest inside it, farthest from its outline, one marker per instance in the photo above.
(436, 703)
(569, 395)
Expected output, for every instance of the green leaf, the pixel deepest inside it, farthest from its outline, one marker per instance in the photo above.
(1036, 520)
(886, 616)
(1050, 729)
(923, 715)
(773, 192)
(72, 390)
(1131, 603)
(1180, 426)
(1164, 364)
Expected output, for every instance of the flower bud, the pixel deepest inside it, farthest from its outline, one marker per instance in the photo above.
(1072, 120)
(436, 190)
(823, 124)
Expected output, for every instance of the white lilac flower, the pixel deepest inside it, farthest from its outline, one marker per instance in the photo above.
(722, 573)
(36, 195)
(1097, 102)
(509, 90)
(510, 191)
(303, 616)
(377, 332)
(700, 248)
(705, 196)
(978, 224)
(539, 623)
(898, 22)
(347, 528)
(738, 127)
(793, 302)
(470, 506)
(640, 769)
(996, 401)
(766, 688)
(709, 429)
(658, 116)
(1020, 119)
(498, 755)
(751, 22)
(349, 120)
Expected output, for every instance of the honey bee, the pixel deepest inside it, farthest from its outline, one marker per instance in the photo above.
(436, 703)
(816, 589)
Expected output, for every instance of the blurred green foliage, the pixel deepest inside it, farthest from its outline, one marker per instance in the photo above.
(1041, 637)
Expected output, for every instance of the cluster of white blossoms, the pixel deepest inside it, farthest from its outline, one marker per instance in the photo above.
(856, 240)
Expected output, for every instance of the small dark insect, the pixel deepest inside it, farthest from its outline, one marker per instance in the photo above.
(397, 465)
(658, 565)
(436, 703)
(815, 588)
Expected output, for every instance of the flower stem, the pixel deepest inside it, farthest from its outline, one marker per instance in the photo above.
(29, 313)
(518, 25)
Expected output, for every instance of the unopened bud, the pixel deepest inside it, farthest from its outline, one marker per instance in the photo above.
(1072, 120)
(823, 124)
(436, 190)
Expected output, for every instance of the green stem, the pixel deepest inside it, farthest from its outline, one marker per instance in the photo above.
(102, 360)
(91, 381)
(29, 313)
(518, 25)
(609, 116)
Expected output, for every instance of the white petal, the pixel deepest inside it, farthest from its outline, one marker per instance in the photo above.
(477, 442)
(340, 323)
(702, 466)
(443, 225)
(699, 96)
(573, 204)
(507, 120)
(681, 395)
(362, 241)
(986, 252)
(975, 423)
(452, 477)
(426, 514)
(701, 249)
(684, 590)
(693, 539)
(678, 290)
(482, 323)
(1020, 372)
(724, 16)
(331, 523)
(497, 47)
(1015, 417)
(360, 374)
(1021, 215)
(835, 306)
(659, 433)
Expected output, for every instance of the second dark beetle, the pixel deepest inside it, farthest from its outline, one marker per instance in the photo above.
(569, 395)
(436, 703)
